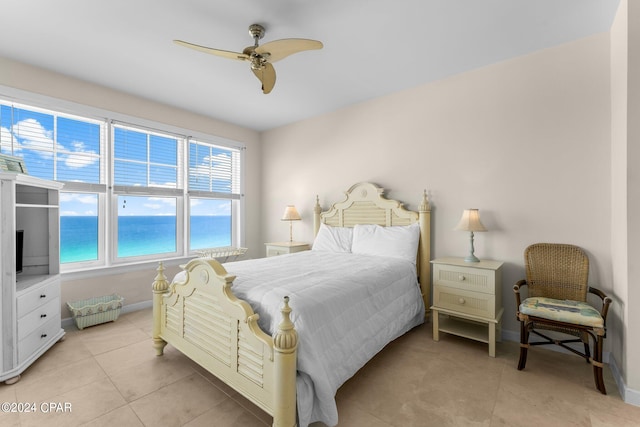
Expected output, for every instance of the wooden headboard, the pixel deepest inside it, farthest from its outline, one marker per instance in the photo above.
(366, 204)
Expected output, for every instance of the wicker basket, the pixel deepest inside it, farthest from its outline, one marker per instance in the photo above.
(94, 311)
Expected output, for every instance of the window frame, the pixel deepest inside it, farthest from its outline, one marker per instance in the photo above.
(107, 193)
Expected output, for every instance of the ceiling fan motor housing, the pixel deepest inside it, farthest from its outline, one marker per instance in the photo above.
(256, 31)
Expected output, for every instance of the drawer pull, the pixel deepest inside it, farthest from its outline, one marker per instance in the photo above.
(461, 300)
(43, 336)
(43, 296)
(43, 315)
(462, 278)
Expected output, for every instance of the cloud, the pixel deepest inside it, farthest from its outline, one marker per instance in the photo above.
(80, 157)
(29, 134)
(32, 135)
(220, 166)
(89, 199)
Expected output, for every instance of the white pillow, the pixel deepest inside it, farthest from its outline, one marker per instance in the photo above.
(397, 241)
(333, 239)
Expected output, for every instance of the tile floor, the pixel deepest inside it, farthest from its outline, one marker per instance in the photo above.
(109, 376)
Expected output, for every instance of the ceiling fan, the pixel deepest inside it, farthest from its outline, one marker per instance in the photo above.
(261, 57)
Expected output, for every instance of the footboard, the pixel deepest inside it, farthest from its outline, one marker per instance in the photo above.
(202, 318)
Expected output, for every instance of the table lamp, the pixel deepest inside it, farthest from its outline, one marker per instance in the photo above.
(470, 221)
(291, 214)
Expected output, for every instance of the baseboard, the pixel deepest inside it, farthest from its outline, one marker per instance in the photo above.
(629, 395)
(127, 308)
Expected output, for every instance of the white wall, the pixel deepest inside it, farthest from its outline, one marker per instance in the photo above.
(527, 141)
(134, 285)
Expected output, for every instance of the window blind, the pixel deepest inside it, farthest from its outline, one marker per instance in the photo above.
(214, 169)
(54, 146)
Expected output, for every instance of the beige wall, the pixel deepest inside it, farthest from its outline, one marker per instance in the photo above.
(633, 199)
(527, 141)
(625, 200)
(135, 283)
(619, 74)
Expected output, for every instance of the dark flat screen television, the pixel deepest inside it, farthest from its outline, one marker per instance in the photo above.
(19, 246)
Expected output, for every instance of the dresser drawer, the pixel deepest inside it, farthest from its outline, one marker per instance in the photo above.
(38, 317)
(463, 301)
(465, 278)
(40, 296)
(38, 338)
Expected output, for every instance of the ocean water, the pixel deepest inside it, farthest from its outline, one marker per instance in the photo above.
(139, 235)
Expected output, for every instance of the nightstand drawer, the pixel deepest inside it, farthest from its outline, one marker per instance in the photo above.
(462, 301)
(275, 251)
(465, 278)
(282, 248)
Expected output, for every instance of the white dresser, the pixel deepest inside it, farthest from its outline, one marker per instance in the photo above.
(467, 299)
(30, 300)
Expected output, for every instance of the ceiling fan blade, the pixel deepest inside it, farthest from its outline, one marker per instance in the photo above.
(267, 75)
(212, 51)
(279, 49)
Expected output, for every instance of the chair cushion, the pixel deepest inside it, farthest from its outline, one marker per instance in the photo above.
(568, 311)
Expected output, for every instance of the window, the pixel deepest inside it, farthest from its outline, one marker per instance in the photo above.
(131, 193)
(79, 228)
(210, 221)
(146, 226)
(146, 192)
(214, 190)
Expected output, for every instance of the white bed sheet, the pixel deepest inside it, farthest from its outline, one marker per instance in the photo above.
(346, 308)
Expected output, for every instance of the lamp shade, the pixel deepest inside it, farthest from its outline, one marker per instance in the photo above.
(291, 214)
(470, 221)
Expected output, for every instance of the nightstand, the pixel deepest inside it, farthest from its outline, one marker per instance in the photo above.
(467, 300)
(280, 248)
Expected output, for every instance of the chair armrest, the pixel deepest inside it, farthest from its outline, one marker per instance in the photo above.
(605, 302)
(516, 291)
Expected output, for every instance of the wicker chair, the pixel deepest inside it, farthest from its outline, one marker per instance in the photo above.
(557, 280)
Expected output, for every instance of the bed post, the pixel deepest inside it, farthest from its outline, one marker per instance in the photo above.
(160, 287)
(424, 214)
(285, 344)
(317, 210)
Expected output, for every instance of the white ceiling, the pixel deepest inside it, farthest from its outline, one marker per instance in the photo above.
(371, 47)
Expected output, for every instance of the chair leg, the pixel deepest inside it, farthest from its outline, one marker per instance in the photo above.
(597, 366)
(587, 352)
(524, 345)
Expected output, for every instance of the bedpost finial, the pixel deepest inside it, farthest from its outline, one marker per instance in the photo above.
(424, 205)
(285, 340)
(160, 283)
(317, 209)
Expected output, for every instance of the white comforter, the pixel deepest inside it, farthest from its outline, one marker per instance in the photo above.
(346, 308)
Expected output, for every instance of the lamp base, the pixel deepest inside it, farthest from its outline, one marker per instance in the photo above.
(471, 258)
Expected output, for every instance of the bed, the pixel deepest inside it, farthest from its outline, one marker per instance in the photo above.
(287, 331)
